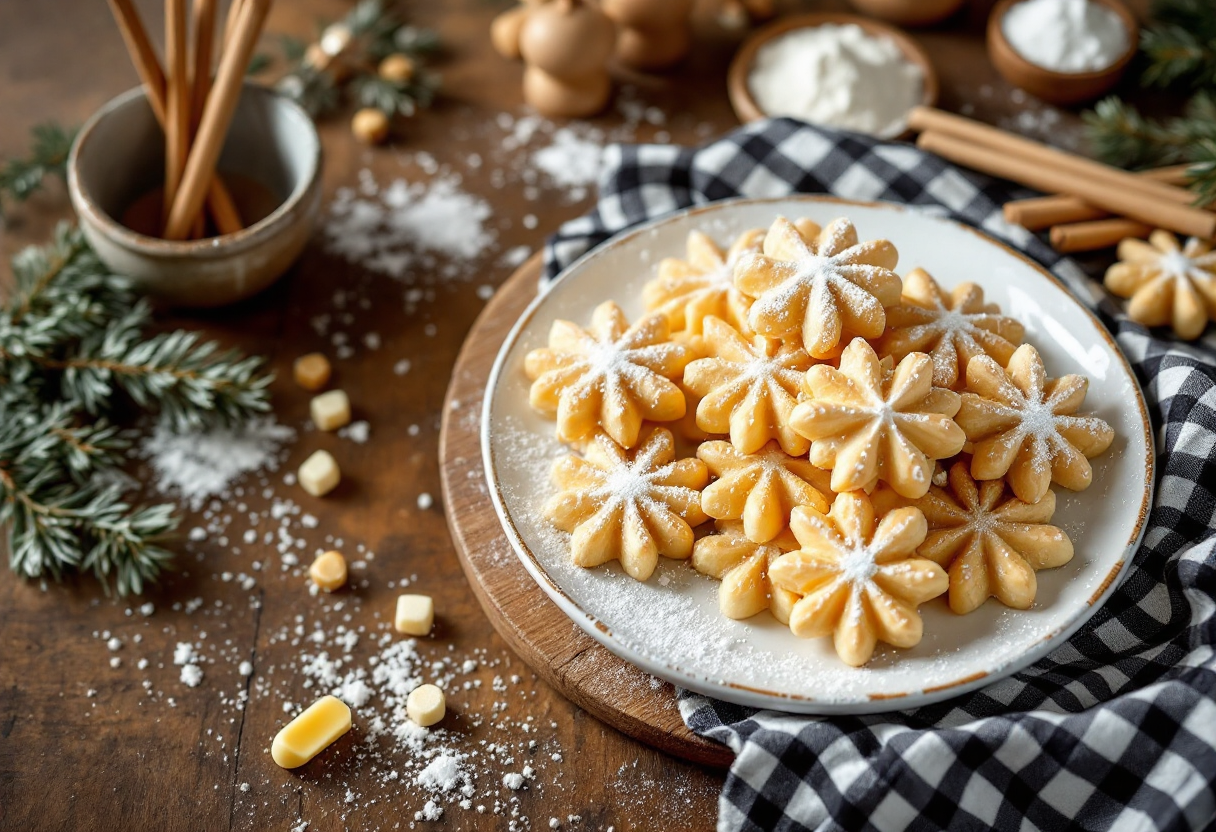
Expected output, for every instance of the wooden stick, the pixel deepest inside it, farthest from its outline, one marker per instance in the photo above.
(1039, 212)
(1090, 236)
(217, 115)
(142, 54)
(998, 142)
(234, 11)
(204, 38)
(219, 200)
(177, 98)
(1137, 205)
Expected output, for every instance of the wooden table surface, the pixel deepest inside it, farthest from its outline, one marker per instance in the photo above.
(84, 745)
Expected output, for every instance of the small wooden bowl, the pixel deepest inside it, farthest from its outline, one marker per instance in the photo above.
(737, 86)
(909, 12)
(1058, 87)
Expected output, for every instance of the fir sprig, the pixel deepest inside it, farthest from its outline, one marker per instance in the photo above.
(1180, 44)
(72, 342)
(1120, 135)
(19, 178)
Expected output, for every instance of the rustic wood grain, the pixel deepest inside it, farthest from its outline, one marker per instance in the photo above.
(124, 757)
(582, 670)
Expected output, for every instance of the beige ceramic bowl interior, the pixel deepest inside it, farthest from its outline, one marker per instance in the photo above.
(119, 155)
(738, 88)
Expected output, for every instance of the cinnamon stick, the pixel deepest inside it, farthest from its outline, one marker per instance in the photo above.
(143, 56)
(200, 78)
(1039, 212)
(1006, 144)
(217, 115)
(1110, 195)
(1098, 234)
(177, 98)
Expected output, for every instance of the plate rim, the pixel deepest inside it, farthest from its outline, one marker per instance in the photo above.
(752, 696)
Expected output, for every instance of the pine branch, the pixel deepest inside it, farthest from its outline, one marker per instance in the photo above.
(19, 178)
(1120, 135)
(72, 343)
(1180, 44)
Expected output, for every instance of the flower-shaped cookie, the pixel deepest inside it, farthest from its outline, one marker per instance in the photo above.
(827, 290)
(761, 488)
(869, 423)
(1023, 425)
(990, 543)
(742, 565)
(860, 578)
(951, 328)
(611, 376)
(747, 389)
(687, 291)
(628, 506)
(1167, 284)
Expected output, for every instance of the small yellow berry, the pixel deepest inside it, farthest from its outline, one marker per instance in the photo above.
(370, 126)
(397, 68)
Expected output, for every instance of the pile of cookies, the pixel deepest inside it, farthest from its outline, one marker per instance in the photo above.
(861, 443)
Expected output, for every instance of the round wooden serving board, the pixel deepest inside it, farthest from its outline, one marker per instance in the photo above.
(579, 668)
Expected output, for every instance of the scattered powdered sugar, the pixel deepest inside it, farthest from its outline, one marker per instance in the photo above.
(572, 161)
(404, 226)
(198, 465)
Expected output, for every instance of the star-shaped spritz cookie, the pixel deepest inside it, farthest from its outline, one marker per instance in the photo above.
(869, 423)
(859, 577)
(747, 388)
(688, 291)
(1168, 283)
(990, 542)
(1024, 425)
(824, 291)
(761, 489)
(742, 565)
(952, 328)
(611, 376)
(628, 506)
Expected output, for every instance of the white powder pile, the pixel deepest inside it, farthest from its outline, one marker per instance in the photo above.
(202, 464)
(839, 76)
(572, 161)
(407, 226)
(1066, 35)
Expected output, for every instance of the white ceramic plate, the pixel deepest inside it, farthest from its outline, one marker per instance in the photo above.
(671, 627)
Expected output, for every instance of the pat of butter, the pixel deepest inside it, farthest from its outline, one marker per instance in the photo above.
(415, 614)
(311, 732)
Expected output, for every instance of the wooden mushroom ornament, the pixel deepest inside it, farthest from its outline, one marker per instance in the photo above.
(566, 45)
(651, 35)
(504, 31)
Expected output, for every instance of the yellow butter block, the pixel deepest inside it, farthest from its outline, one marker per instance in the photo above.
(415, 614)
(311, 732)
(426, 705)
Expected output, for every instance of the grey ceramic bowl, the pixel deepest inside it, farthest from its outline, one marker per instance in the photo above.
(119, 155)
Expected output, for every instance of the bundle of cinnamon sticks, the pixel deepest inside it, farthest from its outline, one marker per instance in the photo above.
(193, 106)
(1093, 206)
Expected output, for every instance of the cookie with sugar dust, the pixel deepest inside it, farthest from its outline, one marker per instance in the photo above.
(1024, 426)
(1169, 284)
(610, 376)
(630, 506)
(690, 290)
(822, 291)
(741, 564)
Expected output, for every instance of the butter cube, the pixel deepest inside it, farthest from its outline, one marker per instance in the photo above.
(311, 732)
(331, 410)
(328, 571)
(319, 474)
(425, 705)
(415, 614)
(312, 371)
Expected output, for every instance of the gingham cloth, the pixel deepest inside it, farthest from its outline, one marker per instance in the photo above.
(1116, 729)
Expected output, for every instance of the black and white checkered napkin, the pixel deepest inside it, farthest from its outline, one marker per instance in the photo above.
(1116, 729)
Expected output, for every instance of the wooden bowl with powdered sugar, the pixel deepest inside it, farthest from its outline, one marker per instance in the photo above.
(748, 105)
(1054, 86)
